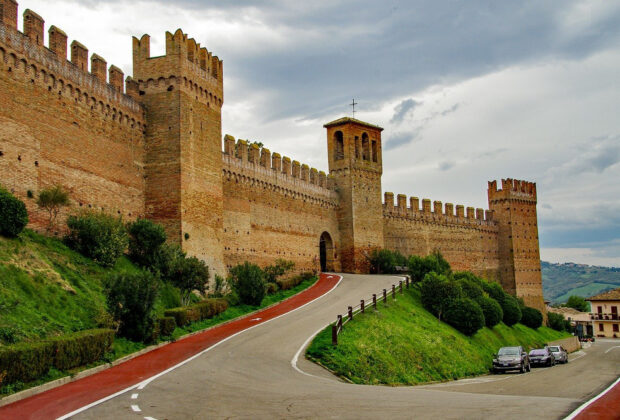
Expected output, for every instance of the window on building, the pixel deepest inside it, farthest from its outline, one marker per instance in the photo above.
(338, 145)
(615, 327)
(601, 327)
(357, 147)
(365, 147)
(374, 151)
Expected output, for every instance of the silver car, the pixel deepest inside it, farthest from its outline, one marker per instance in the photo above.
(560, 354)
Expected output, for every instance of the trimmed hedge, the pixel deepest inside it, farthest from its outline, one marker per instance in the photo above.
(196, 312)
(24, 362)
(166, 325)
(531, 317)
(286, 284)
(492, 311)
(512, 312)
(465, 315)
(13, 214)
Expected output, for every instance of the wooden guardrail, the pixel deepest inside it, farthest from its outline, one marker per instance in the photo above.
(352, 311)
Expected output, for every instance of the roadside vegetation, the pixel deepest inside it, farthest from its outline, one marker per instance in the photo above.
(109, 289)
(446, 326)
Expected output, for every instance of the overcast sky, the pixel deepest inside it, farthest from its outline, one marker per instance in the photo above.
(468, 91)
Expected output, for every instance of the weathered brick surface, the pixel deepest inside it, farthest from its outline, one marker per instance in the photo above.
(157, 151)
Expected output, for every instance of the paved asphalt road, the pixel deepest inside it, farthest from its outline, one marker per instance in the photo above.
(251, 376)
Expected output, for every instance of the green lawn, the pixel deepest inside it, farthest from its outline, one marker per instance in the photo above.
(403, 344)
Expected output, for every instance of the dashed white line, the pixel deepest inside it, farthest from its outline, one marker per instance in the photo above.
(135, 408)
(134, 396)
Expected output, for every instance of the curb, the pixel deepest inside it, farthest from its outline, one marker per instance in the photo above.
(30, 392)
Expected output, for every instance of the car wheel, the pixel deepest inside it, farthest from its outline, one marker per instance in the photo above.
(522, 368)
(529, 367)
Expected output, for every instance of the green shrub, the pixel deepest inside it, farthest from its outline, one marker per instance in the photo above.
(464, 315)
(471, 288)
(495, 291)
(531, 317)
(166, 325)
(198, 311)
(277, 269)
(271, 288)
(492, 311)
(419, 267)
(145, 241)
(130, 299)
(13, 214)
(557, 322)
(189, 274)
(81, 348)
(437, 291)
(25, 362)
(578, 303)
(180, 315)
(248, 281)
(52, 200)
(382, 261)
(512, 312)
(97, 235)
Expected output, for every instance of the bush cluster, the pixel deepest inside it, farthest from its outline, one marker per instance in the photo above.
(98, 236)
(248, 281)
(491, 310)
(196, 312)
(384, 261)
(286, 284)
(511, 309)
(557, 322)
(24, 362)
(13, 214)
(164, 326)
(531, 317)
(465, 315)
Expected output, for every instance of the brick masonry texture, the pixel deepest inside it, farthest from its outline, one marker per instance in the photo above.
(153, 148)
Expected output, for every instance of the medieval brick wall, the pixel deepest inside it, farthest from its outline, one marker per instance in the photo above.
(275, 208)
(62, 125)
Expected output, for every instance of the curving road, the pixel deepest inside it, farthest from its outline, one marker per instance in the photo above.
(252, 376)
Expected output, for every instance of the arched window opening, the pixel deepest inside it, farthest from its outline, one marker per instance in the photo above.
(374, 150)
(365, 147)
(338, 145)
(357, 147)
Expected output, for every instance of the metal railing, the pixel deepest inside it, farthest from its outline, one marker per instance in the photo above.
(601, 316)
(352, 311)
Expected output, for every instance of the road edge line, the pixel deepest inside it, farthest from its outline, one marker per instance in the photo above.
(144, 383)
(585, 405)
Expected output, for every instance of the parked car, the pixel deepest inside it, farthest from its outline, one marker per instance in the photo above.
(542, 357)
(511, 358)
(560, 353)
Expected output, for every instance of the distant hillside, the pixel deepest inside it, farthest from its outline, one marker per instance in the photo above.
(563, 280)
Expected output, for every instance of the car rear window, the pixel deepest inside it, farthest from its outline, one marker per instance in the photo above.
(554, 349)
(509, 351)
(540, 352)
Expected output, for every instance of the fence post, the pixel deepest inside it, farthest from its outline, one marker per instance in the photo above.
(350, 313)
(407, 281)
(400, 285)
(374, 300)
(339, 321)
(385, 296)
(393, 292)
(334, 335)
(362, 305)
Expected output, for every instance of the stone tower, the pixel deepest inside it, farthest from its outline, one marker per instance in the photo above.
(355, 163)
(182, 92)
(514, 210)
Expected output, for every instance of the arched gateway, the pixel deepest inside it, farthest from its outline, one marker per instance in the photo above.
(326, 252)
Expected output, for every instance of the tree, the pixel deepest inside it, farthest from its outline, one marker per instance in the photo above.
(579, 303)
(52, 200)
(493, 313)
(189, 274)
(248, 281)
(277, 269)
(512, 312)
(557, 322)
(437, 291)
(145, 241)
(531, 317)
(465, 315)
(495, 291)
(382, 261)
(97, 235)
(131, 299)
(13, 214)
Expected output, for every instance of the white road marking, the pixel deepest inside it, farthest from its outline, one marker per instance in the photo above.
(135, 408)
(144, 383)
(587, 403)
(150, 418)
(256, 319)
(611, 348)
(134, 396)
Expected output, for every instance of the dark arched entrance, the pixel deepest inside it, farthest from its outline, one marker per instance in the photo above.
(326, 252)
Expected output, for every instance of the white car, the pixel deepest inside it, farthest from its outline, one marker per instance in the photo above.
(560, 354)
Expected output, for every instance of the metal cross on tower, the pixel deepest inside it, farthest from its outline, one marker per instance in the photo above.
(353, 103)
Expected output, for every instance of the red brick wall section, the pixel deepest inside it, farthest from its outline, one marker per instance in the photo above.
(60, 125)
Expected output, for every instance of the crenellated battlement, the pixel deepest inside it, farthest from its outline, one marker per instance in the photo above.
(435, 211)
(25, 56)
(512, 189)
(186, 66)
(254, 163)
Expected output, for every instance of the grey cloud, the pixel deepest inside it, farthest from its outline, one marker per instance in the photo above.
(450, 110)
(597, 155)
(400, 139)
(401, 110)
(446, 165)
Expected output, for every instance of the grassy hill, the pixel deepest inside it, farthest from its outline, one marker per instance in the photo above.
(404, 344)
(563, 280)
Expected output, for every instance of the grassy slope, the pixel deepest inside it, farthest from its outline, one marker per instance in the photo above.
(560, 281)
(48, 289)
(403, 344)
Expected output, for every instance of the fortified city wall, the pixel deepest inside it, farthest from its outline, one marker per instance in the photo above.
(467, 238)
(275, 207)
(61, 124)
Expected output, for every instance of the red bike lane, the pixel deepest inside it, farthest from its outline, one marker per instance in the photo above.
(67, 398)
(606, 407)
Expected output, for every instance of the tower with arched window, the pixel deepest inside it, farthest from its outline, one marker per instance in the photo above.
(354, 152)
